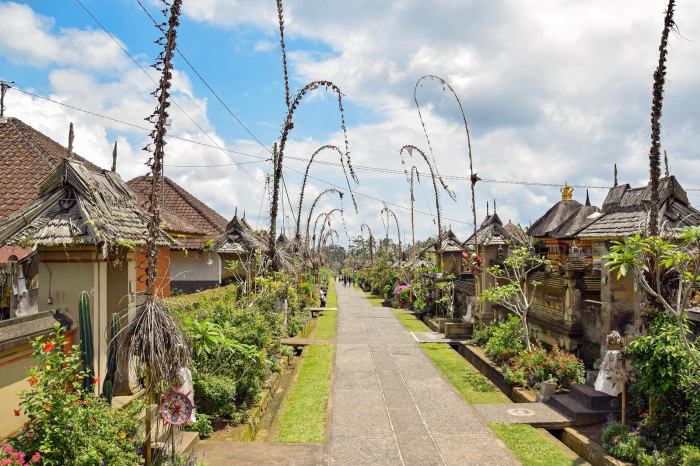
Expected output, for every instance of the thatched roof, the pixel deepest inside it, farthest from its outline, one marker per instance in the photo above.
(564, 219)
(626, 211)
(238, 238)
(184, 216)
(491, 232)
(27, 157)
(78, 206)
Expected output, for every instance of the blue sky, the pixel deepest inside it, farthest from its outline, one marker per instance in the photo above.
(554, 91)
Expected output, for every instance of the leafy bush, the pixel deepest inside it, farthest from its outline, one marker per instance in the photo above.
(297, 323)
(540, 365)
(202, 425)
(685, 455)
(67, 425)
(215, 395)
(507, 341)
(481, 336)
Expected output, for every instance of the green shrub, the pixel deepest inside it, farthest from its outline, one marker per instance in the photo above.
(507, 341)
(297, 323)
(540, 365)
(685, 455)
(202, 425)
(481, 336)
(214, 395)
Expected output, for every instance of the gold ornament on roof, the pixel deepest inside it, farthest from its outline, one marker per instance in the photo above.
(567, 192)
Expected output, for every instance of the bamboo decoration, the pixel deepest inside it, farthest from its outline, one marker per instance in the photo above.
(326, 220)
(656, 110)
(297, 235)
(371, 239)
(410, 149)
(389, 212)
(152, 338)
(313, 206)
(474, 178)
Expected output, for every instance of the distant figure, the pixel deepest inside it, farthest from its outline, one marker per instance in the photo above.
(322, 296)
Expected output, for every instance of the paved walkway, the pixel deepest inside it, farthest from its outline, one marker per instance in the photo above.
(391, 405)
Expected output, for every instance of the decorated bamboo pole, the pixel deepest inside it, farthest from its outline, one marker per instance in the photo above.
(313, 206)
(398, 230)
(86, 344)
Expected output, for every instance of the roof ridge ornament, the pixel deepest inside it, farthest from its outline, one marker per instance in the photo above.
(567, 192)
(615, 175)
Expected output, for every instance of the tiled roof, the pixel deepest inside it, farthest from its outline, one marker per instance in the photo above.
(185, 217)
(27, 157)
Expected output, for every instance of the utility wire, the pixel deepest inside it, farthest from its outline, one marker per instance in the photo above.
(262, 158)
(97, 21)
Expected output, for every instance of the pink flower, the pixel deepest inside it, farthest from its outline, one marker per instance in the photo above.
(36, 457)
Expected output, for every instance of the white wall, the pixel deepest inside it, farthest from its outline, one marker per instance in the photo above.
(194, 266)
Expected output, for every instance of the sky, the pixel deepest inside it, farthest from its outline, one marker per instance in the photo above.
(553, 92)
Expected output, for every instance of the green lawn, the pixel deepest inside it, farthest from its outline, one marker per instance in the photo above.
(474, 387)
(304, 416)
(376, 301)
(332, 300)
(410, 321)
(325, 326)
(532, 447)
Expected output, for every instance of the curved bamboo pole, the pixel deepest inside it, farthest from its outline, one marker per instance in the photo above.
(371, 239)
(313, 206)
(410, 148)
(472, 176)
(398, 230)
(297, 234)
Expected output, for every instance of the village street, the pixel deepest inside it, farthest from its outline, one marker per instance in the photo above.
(391, 405)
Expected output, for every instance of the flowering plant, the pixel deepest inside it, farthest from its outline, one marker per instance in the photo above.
(11, 457)
(540, 365)
(65, 424)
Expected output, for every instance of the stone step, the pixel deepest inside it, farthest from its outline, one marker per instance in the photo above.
(579, 413)
(592, 398)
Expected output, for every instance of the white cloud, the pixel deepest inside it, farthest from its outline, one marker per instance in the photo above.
(264, 46)
(28, 37)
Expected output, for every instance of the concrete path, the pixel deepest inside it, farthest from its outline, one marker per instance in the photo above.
(391, 405)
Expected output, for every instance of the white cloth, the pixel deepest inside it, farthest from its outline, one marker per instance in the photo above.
(612, 374)
(187, 389)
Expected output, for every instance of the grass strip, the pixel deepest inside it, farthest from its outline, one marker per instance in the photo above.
(469, 382)
(305, 412)
(533, 447)
(374, 300)
(409, 321)
(325, 326)
(331, 299)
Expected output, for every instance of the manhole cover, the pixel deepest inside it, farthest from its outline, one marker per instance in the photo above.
(521, 412)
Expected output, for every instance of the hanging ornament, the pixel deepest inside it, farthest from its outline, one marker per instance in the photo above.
(176, 408)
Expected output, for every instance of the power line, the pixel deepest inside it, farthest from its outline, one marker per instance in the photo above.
(204, 81)
(97, 21)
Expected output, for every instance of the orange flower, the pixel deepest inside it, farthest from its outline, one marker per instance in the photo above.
(47, 407)
(48, 346)
(87, 402)
(33, 381)
(16, 412)
(96, 379)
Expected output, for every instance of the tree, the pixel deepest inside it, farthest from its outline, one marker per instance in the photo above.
(667, 270)
(512, 288)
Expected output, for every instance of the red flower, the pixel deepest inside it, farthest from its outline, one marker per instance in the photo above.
(17, 412)
(33, 381)
(48, 346)
(95, 379)
(80, 402)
